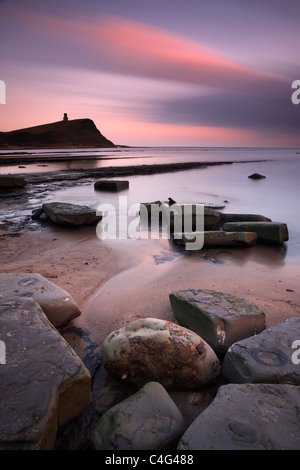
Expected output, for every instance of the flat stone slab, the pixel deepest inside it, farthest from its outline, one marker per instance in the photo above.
(244, 218)
(211, 217)
(148, 420)
(247, 417)
(71, 214)
(267, 232)
(111, 185)
(11, 181)
(266, 357)
(151, 349)
(217, 238)
(220, 319)
(43, 382)
(57, 303)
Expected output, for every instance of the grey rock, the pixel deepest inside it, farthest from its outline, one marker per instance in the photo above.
(71, 214)
(43, 383)
(211, 217)
(217, 238)
(148, 420)
(220, 319)
(57, 303)
(266, 357)
(151, 349)
(244, 218)
(111, 185)
(267, 232)
(247, 417)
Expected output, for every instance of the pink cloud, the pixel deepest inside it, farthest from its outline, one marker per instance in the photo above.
(133, 48)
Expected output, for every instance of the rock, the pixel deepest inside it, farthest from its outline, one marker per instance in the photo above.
(11, 181)
(220, 319)
(36, 213)
(217, 238)
(211, 217)
(247, 417)
(111, 185)
(264, 358)
(148, 420)
(71, 214)
(57, 303)
(244, 218)
(43, 383)
(267, 232)
(156, 350)
(256, 176)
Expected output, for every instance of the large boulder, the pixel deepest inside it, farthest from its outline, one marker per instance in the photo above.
(147, 420)
(57, 303)
(211, 217)
(219, 318)
(43, 383)
(267, 232)
(247, 417)
(71, 214)
(156, 350)
(266, 357)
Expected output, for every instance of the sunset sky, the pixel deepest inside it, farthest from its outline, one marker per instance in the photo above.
(155, 72)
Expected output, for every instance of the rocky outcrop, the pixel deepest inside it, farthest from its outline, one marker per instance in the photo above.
(57, 303)
(220, 319)
(266, 357)
(267, 232)
(61, 134)
(247, 417)
(148, 420)
(111, 185)
(71, 214)
(43, 383)
(156, 350)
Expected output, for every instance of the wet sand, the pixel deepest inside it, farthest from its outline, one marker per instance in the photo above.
(117, 281)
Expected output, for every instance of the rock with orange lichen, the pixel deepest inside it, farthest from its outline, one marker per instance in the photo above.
(151, 349)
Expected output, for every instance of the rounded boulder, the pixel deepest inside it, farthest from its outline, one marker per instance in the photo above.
(151, 349)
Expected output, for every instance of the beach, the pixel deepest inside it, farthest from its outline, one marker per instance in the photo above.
(117, 281)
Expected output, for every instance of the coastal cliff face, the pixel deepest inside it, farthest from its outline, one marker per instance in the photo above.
(74, 133)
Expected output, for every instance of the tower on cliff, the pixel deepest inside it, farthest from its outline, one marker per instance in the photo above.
(65, 117)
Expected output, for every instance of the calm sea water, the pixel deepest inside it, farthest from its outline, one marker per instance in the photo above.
(277, 196)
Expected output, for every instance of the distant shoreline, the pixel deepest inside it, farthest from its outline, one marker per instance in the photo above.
(121, 171)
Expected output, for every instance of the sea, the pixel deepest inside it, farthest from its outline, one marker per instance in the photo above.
(276, 196)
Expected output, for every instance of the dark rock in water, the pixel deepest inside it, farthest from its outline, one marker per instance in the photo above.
(247, 417)
(36, 213)
(71, 214)
(111, 185)
(10, 181)
(220, 319)
(171, 201)
(216, 238)
(267, 232)
(266, 357)
(244, 218)
(256, 176)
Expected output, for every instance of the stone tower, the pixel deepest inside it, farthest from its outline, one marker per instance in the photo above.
(65, 117)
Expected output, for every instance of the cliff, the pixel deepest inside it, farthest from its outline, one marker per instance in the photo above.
(62, 134)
